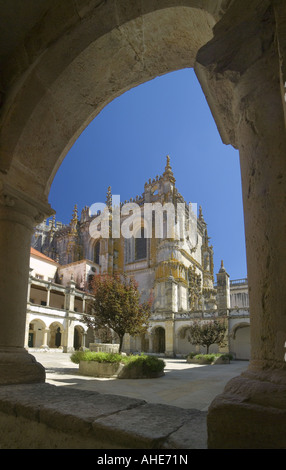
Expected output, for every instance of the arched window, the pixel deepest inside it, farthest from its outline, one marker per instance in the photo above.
(141, 246)
(96, 253)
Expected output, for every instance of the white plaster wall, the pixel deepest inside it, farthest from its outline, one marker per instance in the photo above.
(44, 268)
(79, 271)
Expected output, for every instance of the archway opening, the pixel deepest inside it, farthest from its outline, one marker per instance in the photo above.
(159, 342)
(96, 77)
(56, 336)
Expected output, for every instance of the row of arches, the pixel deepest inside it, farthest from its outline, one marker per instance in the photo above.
(155, 342)
(54, 336)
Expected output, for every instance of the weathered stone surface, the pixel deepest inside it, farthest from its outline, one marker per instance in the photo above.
(100, 369)
(19, 368)
(148, 426)
(106, 369)
(46, 416)
(192, 435)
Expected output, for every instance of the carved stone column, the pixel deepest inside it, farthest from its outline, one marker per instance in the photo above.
(18, 215)
(169, 336)
(45, 338)
(68, 335)
(244, 91)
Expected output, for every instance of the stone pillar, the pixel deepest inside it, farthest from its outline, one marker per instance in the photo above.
(151, 339)
(263, 168)
(68, 335)
(171, 294)
(18, 215)
(29, 288)
(45, 339)
(251, 412)
(84, 334)
(70, 296)
(169, 337)
(26, 340)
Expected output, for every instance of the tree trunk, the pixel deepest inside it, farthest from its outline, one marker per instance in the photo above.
(120, 343)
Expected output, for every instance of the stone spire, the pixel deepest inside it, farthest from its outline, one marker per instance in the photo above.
(74, 220)
(223, 290)
(201, 217)
(109, 197)
(168, 173)
(222, 268)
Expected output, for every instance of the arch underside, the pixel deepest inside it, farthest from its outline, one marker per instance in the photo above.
(73, 79)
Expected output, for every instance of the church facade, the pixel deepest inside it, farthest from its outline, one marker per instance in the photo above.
(158, 239)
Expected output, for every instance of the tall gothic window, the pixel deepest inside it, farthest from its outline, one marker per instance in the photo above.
(141, 246)
(96, 253)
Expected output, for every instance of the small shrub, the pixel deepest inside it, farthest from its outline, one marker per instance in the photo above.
(135, 365)
(145, 363)
(227, 356)
(209, 357)
(78, 356)
(191, 355)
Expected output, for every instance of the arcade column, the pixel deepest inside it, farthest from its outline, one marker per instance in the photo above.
(18, 215)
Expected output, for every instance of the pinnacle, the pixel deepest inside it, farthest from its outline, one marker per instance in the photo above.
(168, 173)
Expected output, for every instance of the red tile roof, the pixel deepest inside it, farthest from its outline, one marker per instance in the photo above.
(41, 255)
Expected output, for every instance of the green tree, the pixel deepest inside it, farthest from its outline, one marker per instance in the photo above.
(116, 305)
(206, 333)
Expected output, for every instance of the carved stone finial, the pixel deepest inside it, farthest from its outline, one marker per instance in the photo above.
(222, 268)
(168, 173)
(75, 212)
(74, 220)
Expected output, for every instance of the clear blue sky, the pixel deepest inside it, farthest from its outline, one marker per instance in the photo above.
(127, 143)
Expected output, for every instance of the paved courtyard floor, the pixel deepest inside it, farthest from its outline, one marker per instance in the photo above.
(183, 385)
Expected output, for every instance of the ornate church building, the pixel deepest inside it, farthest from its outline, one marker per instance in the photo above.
(175, 268)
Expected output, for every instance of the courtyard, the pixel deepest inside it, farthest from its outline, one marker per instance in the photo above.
(188, 386)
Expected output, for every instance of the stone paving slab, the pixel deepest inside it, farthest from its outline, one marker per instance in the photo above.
(149, 425)
(101, 420)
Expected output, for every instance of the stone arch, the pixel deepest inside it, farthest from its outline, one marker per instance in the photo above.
(78, 340)
(48, 102)
(183, 346)
(61, 93)
(159, 340)
(239, 340)
(236, 327)
(56, 335)
(90, 336)
(37, 330)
